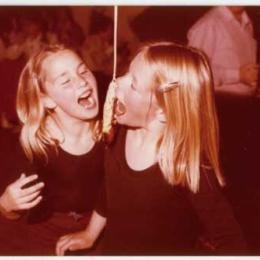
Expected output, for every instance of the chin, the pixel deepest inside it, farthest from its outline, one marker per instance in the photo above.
(93, 115)
(128, 123)
(120, 121)
(90, 115)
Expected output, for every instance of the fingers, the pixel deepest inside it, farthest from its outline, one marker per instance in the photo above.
(251, 66)
(63, 245)
(254, 85)
(22, 176)
(29, 205)
(75, 245)
(23, 180)
(19, 198)
(35, 188)
(29, 198)
(69, 242)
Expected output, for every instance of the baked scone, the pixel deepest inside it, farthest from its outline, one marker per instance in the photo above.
(108, 112)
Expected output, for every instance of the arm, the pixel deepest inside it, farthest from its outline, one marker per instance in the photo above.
(10, 215)
(83, 239)
(216, 216)
(16, 197)
(86, 238)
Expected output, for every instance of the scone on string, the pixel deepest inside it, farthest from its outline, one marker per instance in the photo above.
(108, 113)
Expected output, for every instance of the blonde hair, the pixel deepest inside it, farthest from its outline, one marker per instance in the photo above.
(35, 137)
(191, 139)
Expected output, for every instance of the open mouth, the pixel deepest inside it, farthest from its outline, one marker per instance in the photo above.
(120, 108)
(87, 100)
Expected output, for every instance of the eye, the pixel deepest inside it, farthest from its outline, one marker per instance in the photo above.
(65, 82)
(83, 71)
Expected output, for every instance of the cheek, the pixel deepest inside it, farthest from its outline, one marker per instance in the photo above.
(144, 107)
(91, 80)
(136, 106)
(95, 89)
(123, 87)
(120, 94)
(62, 97)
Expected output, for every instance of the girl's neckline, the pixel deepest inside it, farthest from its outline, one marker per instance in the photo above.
(64, 151)
(133, 171)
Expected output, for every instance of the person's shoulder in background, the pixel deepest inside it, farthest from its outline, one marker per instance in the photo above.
(210, 19)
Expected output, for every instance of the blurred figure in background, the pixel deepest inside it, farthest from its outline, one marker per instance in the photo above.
(33, 33)
(14, 39)
(97, 48)
(12, 60)
(69, 33)
(225, 34)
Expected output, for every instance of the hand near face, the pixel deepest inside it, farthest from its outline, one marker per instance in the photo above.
(16, 197)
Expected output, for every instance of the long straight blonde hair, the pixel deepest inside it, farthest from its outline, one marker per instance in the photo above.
(184, 89)
(33, 115)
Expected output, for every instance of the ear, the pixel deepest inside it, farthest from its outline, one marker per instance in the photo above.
(48, 102)
(160, 115)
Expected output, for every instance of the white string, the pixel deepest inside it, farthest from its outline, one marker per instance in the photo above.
(115, 40)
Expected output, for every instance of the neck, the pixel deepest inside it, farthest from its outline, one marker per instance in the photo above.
(141, 146)
(75, 136)
(149, 135)
(70, 130)
(75, 130)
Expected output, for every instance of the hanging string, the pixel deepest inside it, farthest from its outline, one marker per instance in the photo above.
(115, 40)
(109, 106)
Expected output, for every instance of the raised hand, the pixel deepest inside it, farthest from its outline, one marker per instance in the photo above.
(249, 74)
(15, 197)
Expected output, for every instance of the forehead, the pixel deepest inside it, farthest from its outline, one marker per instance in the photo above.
(141, 71)
(138, 64)
(60, 62)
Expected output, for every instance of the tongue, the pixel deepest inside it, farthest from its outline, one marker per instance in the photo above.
(85, 102)
(120, 108)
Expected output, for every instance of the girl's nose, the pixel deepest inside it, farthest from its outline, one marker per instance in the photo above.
(122, 83)
(81, 82)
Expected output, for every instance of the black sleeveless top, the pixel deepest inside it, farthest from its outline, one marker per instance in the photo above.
(147, 216)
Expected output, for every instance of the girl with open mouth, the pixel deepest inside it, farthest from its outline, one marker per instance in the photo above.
(163, 179)
(59, 160)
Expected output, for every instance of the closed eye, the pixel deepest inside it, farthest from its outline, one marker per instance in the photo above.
(83, 72)
(65, 82)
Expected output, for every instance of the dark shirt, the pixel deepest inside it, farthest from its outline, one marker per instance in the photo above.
(13, 161)
(147, 216)
(72, 182)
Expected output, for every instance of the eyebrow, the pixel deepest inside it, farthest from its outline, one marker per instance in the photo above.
(64, 73)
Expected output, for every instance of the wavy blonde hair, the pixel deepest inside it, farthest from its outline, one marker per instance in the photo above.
(191, 139)
(33, 115)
